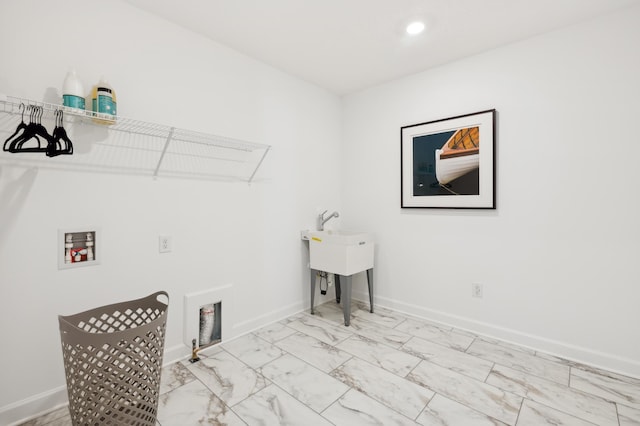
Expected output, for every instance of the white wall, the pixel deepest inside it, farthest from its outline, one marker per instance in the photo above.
(558, 257)
(222, 232)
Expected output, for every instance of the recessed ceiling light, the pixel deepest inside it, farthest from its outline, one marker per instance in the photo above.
(415, 28)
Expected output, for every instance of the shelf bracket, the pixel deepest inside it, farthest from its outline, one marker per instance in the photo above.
(259, 164)
(164, 150)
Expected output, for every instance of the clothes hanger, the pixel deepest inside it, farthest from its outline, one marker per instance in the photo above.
(22, 126)
(33, 130)
(59, 136)
(28, 131)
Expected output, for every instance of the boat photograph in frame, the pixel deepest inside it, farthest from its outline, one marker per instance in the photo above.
(449, 163)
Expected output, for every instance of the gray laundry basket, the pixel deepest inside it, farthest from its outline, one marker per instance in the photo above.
(113, 360)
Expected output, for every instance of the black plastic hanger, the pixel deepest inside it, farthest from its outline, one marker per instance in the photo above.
(21, 127)
(28, 131)
(59, 136)
(33, 130)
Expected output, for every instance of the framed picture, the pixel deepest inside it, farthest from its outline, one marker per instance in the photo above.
(449, 163)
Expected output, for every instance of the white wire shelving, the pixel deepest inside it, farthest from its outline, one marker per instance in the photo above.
(125, 145)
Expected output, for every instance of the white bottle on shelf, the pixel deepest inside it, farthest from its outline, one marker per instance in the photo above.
(73, 92)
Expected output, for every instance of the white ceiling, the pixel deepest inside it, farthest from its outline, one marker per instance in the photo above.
(348, 45)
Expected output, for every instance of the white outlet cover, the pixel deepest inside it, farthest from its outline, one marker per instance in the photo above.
(164, 244)
(476, 290)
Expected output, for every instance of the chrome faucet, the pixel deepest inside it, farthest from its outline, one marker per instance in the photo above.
(322, 220)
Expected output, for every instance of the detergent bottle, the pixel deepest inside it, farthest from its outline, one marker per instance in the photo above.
(73, 92)
(103, 102)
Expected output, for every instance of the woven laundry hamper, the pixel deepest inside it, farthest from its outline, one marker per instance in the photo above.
(113, 360)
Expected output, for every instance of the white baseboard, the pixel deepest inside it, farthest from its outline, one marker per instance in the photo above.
(34, 406)
(174, 354)
(250, 325)
(567, 351)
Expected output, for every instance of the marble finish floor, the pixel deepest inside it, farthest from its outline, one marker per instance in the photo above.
(385, 369)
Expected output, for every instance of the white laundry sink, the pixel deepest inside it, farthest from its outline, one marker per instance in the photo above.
(340, 252)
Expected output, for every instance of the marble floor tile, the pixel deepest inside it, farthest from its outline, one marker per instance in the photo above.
(319, 329)
(194, 404)
(487, 399)
(563, 398)
(229, 378)
(392, 391)
(535, 414)
(321, 355)
(210, 350)
(389, 336)
(610, 374)
(431, 323)
(447, 357)
(330, 311)
(294, 317)
(62, 421)
(387, 368)
(381, 316)
(274, 332)
(305, 383)
(274, 407)
(628, 416)
(173, 376)
(442, 336)
(554, 358)
(519, 360)
(446, 412)
(590, 369)
(511, 346)
(624, 391)
(393, 360)
(355, 408)
(252, 350)
(58, 417)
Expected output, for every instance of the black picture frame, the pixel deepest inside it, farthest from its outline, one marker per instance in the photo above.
(449, 163)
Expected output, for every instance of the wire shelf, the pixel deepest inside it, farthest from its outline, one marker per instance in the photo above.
(144, 147)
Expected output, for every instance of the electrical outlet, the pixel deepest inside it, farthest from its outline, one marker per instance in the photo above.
(476, 290)
(164, 244)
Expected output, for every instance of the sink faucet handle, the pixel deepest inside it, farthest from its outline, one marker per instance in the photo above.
(322, 214)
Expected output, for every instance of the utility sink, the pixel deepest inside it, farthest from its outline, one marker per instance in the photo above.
(340, 252)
